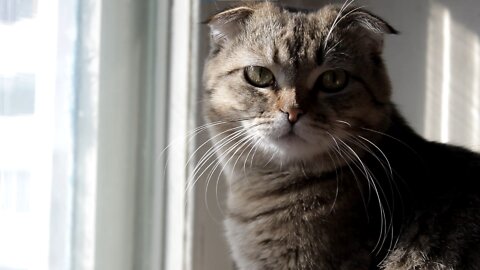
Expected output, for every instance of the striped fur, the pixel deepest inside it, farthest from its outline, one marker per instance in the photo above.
(354, 187)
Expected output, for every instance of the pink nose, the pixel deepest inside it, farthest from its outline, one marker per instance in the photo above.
(293, 114)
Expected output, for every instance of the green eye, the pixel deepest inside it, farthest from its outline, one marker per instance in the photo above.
(332, 81)
(259, 76)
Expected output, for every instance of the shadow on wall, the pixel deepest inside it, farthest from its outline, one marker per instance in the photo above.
(435, 66)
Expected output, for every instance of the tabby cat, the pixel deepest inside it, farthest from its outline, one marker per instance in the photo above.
(322, 171)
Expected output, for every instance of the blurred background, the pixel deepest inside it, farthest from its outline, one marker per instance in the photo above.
(99, 101)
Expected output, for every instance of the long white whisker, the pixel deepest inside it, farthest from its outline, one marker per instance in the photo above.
(339, 151)
(392, 241)
(399, 177)
(257, 145)
(244, 142)
(391, 184)
(217, 163)
(333, 47)
(344, 122)
(210, 153)
(270, 160)
(188, 137)
(209, 140)
(336, 178)
(393, 138)
(238, 145)
(378, 190)
(248, 154)
(192, 133)
(381, 152)
(345, 5)
(226, 140)
(248, 142)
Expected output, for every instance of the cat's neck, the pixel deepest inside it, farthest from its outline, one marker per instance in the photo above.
(329, 200)
(332, 173)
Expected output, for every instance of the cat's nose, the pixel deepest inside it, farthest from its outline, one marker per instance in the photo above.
(293, 114)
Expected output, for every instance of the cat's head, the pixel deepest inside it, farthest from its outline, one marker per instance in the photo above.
(295, 83)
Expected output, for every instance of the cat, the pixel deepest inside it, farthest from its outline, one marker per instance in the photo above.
(322, 170)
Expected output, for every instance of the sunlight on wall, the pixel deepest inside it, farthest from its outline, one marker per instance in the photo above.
(475, 109)
(446, 75)
(453, 83)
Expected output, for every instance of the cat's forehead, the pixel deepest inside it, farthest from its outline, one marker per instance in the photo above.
(267, 23)
(296, 43)
(289, 36)
(268, 17)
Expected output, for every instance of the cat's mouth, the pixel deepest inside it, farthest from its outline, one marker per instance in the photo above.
(292, 137)
(293, 146)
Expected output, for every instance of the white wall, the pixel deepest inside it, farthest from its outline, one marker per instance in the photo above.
(435, 66)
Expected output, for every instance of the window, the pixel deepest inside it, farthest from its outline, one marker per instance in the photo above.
(75, 135)
(28, 96)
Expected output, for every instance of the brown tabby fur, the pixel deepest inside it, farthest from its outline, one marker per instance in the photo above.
(349, 185)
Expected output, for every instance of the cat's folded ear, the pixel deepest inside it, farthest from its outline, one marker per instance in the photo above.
(372, 22)
(371, 25)
(226, 24)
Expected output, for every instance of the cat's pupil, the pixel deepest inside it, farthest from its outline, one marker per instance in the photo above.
(259, 76)
(332, 81)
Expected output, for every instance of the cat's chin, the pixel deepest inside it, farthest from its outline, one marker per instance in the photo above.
(292, 147)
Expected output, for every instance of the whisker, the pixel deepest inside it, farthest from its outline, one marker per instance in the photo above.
(236, 146)
(201, 128)
(189, 137)
(216, 163)
(208, 141)
(383, 154)
(254, 152)
(226, 140)
(248, 154)
(378, 191)
(303, 169)
(244, 142)
(344, 122)
(392, 241)
(336, 178)
(268, 162)
(333, 47)
(345, 5)
(192, 134)
(393, 138)
(347, 162)
(211, 153)
(391, 183)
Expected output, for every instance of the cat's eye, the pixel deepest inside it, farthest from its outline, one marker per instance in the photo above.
(259, 76)
(332, 81)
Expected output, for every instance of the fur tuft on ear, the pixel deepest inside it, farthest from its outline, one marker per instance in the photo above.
(226, 24)
(372, 22)
(368, 25)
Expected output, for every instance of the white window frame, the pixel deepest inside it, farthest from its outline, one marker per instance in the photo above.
(116, 126)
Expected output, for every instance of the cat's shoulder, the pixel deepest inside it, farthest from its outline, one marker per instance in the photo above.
(444, 231)
(454, 162)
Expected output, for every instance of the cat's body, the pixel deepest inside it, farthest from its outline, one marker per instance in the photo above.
(284, 219)
(330, 178)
